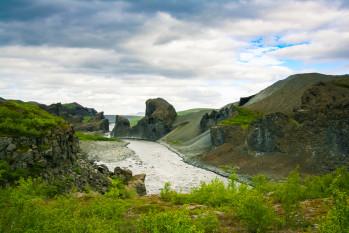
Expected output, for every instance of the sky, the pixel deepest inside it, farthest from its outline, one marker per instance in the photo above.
(113, 55)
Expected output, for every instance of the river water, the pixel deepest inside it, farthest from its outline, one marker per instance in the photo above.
(162, 165)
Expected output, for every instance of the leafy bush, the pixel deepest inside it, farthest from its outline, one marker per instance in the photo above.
(255, 211)
(337, 219)
(18, 118)
(176, 222)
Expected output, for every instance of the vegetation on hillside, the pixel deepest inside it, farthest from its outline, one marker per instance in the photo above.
(134, 120)
(93, 137)
(33, 206)
(27, 119)
(244, 118)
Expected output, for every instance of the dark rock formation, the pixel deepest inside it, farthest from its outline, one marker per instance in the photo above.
(137, 184)
(157, 122)
(83, 119)
(265, 132)
(315, 137)
(121, 128)
(244, 100)
(55, 157)
(211, 119)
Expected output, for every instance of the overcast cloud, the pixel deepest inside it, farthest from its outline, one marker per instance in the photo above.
(113, 55)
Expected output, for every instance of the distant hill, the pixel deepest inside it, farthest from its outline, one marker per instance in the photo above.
(283, 96)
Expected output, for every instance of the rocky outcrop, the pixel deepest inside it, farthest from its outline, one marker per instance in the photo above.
(244, 100)
(212, 118)
(121, 128)
(315, 136)
(83, 119)
(55, 157)
(157, 122)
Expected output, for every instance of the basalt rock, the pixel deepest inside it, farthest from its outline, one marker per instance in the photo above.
(158, 121)
(83, 119)
(55, 157)
(121, 128)
(212, 118)
(315, 136)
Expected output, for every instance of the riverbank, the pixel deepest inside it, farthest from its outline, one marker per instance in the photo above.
(197, 163)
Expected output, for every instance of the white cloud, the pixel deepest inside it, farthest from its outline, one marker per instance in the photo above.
(100, 61)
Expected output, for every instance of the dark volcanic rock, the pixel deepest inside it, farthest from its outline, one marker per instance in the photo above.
(157, 122)
(210, 119)
(315, 136)
(83, 119)
(265, 132)
(121, 128)
(54, 157)
(244, 100)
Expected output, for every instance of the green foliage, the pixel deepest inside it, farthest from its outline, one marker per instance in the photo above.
(8, 175)
(134, 120)
(26, 119)
(290, 194)
(93, 137)
(337, 219)
(244, 118)
(255, 211)
(118, 190)
(176, 222)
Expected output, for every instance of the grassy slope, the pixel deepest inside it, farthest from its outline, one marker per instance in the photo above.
(285, 95)
(19, 118)
(187, 127)
(93, 137)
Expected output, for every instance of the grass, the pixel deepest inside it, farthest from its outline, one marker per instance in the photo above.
(93, 137)
(134, 120)
(26, 119)
(244, 118)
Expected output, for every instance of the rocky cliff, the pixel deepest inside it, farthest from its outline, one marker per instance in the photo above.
(158, 121)
(83, 119)
(34, 143)
(314, 137)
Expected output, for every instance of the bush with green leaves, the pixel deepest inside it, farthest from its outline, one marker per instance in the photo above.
(255, 211)
(337, 219)
(178, 221)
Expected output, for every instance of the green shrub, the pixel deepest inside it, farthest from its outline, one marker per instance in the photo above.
(255, 211)
(337, 219)
(176, 222)
(290, 194)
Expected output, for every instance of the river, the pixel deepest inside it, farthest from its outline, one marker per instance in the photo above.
(162, 165)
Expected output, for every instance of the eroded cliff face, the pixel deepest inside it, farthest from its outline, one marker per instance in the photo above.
(83, 118)
(315, 136)
(55, 157)
(158, 121)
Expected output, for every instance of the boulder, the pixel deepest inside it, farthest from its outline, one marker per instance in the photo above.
(137, 183)
(124, 174)
(210, 119)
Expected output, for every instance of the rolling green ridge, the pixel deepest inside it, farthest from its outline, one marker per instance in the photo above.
(18, 118)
